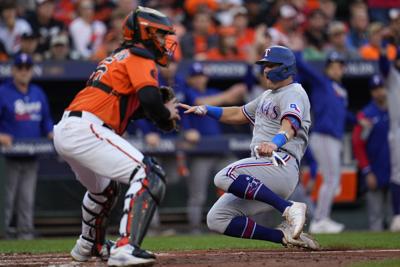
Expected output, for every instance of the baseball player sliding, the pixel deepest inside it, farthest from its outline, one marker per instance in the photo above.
(123, 87)
(281, 119)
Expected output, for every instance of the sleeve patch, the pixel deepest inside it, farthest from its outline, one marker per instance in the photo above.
(295, 108)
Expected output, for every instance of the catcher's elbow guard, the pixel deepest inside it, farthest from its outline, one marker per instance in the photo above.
(143, 201)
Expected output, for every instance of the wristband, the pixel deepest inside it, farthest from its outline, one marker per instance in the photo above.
(280, 139)
(214, 112)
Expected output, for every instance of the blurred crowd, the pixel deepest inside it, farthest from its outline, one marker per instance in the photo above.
(206, 29)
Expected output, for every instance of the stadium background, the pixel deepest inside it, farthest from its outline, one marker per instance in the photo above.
(59, 195)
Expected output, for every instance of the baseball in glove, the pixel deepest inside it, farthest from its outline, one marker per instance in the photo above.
(167, 94)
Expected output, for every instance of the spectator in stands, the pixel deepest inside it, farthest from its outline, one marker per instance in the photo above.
(103, 10)
(370, 51)
(11, 27)
(65, 11)
(125, 6)
(357, 36)
(200, 39)
(227, 48)
(43, 23)
(285, 27)
(329, 102)
(244, 34)
(256, 12)
(24, 114)
(371, 149)
(315, 35)
(111, 42)
(328, 7)
(194, 6)
(86, 33)
(29, 45)
(59, 49)
(337, 41)
(393, 34)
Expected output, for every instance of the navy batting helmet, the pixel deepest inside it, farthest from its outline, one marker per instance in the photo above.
(284, 57)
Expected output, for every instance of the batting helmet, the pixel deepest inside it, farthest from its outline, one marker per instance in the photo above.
(284, 57)
(141, 25)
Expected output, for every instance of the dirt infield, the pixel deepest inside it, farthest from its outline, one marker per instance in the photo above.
(214, 258)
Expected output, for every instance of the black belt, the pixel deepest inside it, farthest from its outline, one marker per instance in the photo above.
(78, 113)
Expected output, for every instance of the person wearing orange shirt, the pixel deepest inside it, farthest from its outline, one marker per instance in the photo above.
(123, 87)
(227, 46)
(370, 51)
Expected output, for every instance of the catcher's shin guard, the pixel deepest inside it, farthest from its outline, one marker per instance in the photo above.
(141, 201)
(96, 209)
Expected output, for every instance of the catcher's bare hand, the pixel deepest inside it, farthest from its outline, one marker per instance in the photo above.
(197, 110)
(172, 106)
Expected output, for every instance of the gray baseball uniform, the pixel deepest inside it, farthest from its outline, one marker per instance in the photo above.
(393, 86)
(266, 113)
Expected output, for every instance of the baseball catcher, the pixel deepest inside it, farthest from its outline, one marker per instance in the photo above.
(123, 87)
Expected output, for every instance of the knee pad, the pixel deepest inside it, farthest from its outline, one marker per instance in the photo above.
(141, 201)
(96, 209)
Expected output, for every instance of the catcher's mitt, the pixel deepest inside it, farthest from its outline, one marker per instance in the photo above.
(167, 94)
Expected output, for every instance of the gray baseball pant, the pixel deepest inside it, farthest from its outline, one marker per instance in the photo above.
(20, 189)
(327, 154)
(282, 180)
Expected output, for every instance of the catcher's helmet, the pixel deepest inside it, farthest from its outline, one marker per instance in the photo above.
(141, 25)
(284, 57)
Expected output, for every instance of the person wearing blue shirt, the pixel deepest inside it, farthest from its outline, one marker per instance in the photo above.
(24, 114)
(329, 106)
(371, 149)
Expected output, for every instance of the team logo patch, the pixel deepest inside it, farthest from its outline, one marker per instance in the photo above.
(267, 52)
(294, 106)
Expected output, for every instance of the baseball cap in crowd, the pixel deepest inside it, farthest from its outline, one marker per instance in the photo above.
(23, 59)
(334, 57)
(40, 2)
(60, 39)
(336, 27)
(29, 35)
(287, 12)
(394, 13)
(196, 69)
(376, 81)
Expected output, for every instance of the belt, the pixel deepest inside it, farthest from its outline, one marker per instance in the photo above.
(79, 114)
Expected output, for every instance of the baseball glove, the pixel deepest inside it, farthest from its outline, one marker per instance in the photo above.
(167, 94)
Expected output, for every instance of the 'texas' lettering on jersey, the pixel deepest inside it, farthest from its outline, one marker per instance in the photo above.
(269, 110)
(27, 111)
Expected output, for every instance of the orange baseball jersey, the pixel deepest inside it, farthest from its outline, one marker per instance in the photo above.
(111, 91)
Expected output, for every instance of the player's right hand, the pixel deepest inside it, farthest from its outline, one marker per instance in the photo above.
(266, 149)
(197, 110)
(172, 106)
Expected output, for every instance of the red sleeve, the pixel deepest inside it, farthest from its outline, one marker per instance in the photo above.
(359, 145)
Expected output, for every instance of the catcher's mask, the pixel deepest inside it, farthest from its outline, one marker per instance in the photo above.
(281, 56)
(154, 30)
